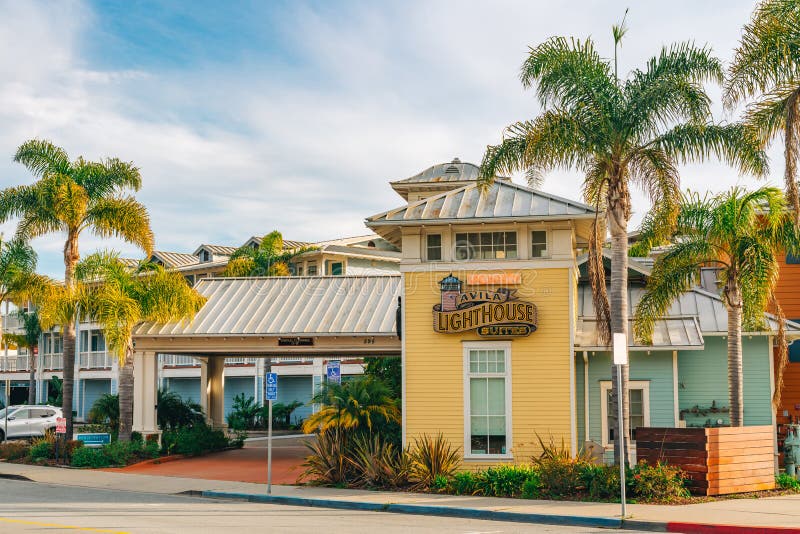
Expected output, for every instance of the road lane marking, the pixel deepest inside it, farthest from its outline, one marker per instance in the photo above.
(57, 525)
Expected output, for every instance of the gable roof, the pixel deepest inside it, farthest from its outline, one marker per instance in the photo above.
(218, 250)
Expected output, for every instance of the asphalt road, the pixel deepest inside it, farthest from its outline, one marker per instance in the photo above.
(35, 507)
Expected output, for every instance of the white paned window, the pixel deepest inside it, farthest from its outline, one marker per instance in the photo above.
(639, 395)
(434, 247)
(539, 244)
(487, 404)
(486, 246)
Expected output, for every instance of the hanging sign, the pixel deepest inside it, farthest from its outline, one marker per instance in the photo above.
(495, 313)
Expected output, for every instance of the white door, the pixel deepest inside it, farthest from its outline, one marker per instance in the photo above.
(19, 423)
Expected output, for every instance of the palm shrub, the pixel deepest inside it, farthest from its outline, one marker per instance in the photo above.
(363, 403)
(620, 134)
(174, 412)
(329, 460)
(244, 413)
(433, 457)
(105, 411)
(372, 459)
(271, 258)
(281, 413)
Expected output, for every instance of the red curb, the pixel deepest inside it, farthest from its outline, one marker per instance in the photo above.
(699, 528)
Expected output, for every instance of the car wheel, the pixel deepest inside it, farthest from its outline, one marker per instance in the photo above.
(2, 436)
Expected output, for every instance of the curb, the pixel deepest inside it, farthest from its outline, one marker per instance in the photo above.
(442, 511)
(700, 528)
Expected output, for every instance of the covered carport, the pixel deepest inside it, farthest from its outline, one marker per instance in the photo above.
(330, 316)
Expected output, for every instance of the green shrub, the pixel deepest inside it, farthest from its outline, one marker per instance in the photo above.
(121, 452)
(532, 488)
(193, 440)
(42, 449)
(788, 482)
(89, 457)
(14, 450)
(601, 481)
(660, 482)
(464, 483)
(151, 449)
(440, 483)
(559, 472)
(505, 480)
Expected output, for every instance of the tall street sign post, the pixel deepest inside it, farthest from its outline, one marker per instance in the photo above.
(620, 359)
(272, 395)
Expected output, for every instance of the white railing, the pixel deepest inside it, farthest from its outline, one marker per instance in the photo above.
(99, 359)
(53, 362)
(13, 364)
(178, 360)
(240, 361)
(12, 322)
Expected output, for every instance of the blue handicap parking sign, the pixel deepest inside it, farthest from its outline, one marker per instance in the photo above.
(334, 371)
(272, 386)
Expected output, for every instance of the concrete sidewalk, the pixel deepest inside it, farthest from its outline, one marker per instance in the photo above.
(760, 515)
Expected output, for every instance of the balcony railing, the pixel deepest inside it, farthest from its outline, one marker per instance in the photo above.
(240, 361)
(12, 322)
(96, 360)
(177, 360)
(53, 361)
(13, 364)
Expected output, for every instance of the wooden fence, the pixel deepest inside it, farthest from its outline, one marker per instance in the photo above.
(718, 461)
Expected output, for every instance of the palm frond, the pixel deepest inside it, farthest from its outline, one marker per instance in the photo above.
(735, 144)
(42, 157)
(122, 217)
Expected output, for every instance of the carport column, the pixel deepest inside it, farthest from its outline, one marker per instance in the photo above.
(145, 392)
(212, 384)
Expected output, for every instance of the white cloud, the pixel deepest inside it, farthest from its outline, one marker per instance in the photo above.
(375, 92)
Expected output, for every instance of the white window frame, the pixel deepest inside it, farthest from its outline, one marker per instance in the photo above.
(547, 243)
(441, 247)
(605, 387)
(487, 345)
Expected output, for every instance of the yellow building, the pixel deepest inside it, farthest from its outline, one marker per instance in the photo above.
(488, 312)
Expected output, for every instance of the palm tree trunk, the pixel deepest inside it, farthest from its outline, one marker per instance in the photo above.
(126, 395)
(71, 257)
(790, 153)
(735, 378)
(32, 375)
(618, 212)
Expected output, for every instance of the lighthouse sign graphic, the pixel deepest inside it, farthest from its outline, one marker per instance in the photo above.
(492, 313)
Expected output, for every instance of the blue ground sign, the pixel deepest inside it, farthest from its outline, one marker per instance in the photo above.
(97, 439)
(272, 386)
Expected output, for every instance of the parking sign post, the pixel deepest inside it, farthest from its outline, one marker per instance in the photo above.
(620, 359)
(272, 395)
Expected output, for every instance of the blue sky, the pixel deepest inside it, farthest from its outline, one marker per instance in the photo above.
(246, 117)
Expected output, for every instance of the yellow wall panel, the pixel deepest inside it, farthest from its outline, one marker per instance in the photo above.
(540, 364)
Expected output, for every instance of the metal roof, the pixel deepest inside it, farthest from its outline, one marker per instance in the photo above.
(287, 244)
(455, 171)
(175, 259)
(283, 305)
(671, 333)
(705, 307)
(358, 252)
(502, 200)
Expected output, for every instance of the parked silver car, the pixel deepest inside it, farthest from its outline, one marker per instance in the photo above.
(28, 421)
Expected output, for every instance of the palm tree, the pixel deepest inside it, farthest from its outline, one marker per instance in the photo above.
(360, 403)
(766, 71)
(619, 134)
(740, 232)
(269, 259)
(119, 299)
(69, 197)
(29, 338)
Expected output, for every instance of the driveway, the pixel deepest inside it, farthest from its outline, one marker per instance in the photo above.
(248, 464)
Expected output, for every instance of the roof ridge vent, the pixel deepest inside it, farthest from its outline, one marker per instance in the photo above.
(452, 169)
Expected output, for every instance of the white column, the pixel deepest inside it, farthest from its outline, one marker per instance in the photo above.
(212, 390)
(145, 392)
